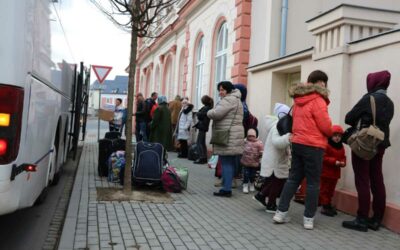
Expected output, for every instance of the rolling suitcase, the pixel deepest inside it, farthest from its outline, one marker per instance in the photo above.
(105, 150)
(149, 159)
(112, 135)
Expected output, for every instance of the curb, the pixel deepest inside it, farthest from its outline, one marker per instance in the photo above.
(69, 228)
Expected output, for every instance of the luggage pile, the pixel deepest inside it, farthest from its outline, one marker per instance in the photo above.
(150, 166)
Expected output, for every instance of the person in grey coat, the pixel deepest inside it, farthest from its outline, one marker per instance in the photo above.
(228, 115)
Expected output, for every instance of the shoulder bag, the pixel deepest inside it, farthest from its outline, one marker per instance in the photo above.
(220, 137)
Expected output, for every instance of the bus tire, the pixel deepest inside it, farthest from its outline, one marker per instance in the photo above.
(57, 175)
(42, 197)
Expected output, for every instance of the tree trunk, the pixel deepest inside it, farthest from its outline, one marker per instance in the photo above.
(131, 97)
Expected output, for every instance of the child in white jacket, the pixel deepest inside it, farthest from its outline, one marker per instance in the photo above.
(275, 161)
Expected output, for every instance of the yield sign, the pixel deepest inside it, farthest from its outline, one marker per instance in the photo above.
(101, 72)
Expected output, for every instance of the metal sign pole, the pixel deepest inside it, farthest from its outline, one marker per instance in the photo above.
(98, 117)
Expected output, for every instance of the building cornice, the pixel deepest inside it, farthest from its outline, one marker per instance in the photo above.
(178, 24)
(307, 53)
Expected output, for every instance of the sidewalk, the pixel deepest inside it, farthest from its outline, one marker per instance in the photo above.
(196, 220)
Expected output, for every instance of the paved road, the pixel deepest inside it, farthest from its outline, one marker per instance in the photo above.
(31, 227)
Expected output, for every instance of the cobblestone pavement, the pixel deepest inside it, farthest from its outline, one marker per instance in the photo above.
(197, 219)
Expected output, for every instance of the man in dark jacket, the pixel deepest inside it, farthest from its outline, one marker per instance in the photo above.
(368, 173)
(141, 126)
(203, 122)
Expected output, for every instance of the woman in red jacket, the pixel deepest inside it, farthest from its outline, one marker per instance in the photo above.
(311, 129)
(334, 160)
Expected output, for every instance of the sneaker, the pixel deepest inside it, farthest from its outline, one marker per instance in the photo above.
(260, 198)
(280, 217)
(245, 188)
(251, 187)
(271, 208)
(308, 223)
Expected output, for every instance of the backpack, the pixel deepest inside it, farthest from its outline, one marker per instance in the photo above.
(364, 141)
(285, 123)
(250, 122)
(170, 180)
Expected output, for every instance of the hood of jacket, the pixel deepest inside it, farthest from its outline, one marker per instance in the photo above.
(303, 94)
(243, 90)
(378, 80)
(234, 94)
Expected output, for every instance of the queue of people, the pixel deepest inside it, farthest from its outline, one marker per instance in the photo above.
(311, 153)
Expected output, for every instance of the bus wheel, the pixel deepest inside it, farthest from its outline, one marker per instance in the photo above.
(42, 197)
(57, 175)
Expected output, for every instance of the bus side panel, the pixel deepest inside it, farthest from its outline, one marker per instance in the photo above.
(42, 121)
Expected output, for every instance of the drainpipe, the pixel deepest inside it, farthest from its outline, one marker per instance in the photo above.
(282, 51)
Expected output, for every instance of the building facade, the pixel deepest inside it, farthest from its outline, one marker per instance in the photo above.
(202, 42)
(110, 91)
(347, 40)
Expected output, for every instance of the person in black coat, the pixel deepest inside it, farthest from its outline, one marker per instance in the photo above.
(141, 123)
(368, 173)
(203, 122)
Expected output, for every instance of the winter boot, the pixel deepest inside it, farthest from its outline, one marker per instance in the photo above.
(359, 224)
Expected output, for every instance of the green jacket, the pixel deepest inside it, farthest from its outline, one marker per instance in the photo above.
(161, 128)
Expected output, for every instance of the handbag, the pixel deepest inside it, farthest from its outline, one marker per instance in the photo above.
(220, 137)
(364, 141)
(285, 123)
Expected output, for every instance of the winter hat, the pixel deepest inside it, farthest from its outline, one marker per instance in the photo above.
(243, 90)
(280, 109)
(162, 99)
(378, 80)
(337, 129)
(251, 132)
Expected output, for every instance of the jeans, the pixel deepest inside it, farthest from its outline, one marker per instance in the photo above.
(201, 144)
(228, 167)
(141, 134)
(306, 161)
(249, 174)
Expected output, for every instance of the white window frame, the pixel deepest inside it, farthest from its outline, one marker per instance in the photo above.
(200, 60)
(221, 55)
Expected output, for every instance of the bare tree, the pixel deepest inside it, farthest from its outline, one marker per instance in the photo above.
(141, 18)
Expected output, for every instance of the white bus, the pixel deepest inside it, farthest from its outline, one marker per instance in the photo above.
(37, 91)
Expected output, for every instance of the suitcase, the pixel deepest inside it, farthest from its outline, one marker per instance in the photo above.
(147, 167)
(112, 135)
(105, 150)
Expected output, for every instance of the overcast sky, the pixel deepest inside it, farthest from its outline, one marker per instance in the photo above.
(93, 38)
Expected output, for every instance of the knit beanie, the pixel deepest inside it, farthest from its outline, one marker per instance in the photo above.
(281, 109)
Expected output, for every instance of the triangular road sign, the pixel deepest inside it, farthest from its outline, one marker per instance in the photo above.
(101, 72)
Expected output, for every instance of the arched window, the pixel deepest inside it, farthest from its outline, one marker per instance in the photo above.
(181, 72)
(157, 80)
(148, 83)
(199, 71)
(168, 78)
(221, 49)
